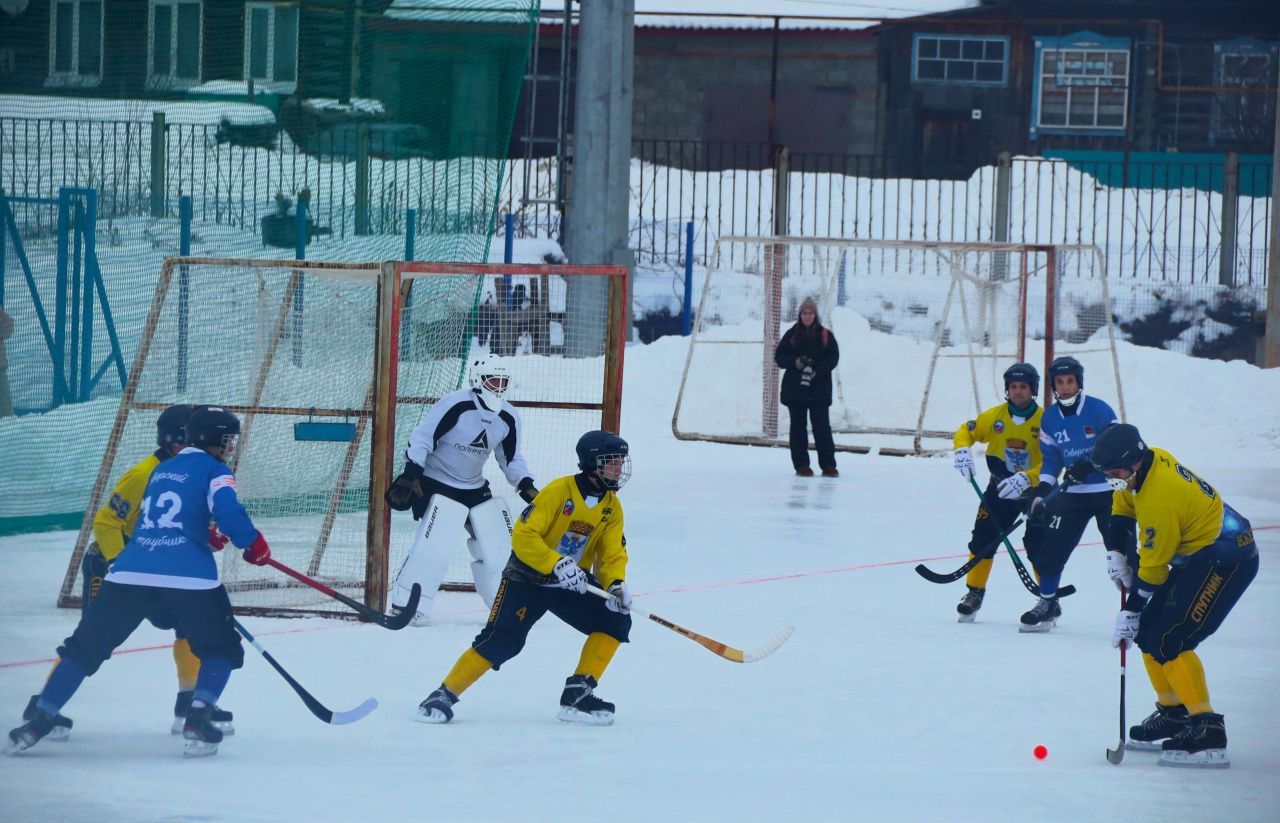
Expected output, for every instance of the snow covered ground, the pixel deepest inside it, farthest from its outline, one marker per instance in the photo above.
(880, 707)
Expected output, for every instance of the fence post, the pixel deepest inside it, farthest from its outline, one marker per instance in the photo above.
(410, 232)
(362, 179)
(1230, 200)
(781, 193)
(300, 211)
(686, 325)
(184, 287)
(158, 155)
(1000, 226)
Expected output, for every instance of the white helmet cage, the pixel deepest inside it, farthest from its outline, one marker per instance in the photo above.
(492, 378)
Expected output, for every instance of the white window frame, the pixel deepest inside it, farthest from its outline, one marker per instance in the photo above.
(171, 80)
(269, 83)
(1085, 82)
(961, 39)
(74, 77)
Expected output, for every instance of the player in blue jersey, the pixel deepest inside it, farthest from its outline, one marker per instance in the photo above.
(167, 574)
(1068, 430)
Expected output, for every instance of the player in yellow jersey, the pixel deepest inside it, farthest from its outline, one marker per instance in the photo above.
(1012, 434)
(571, 533)
(1196, 556)
(113, 525)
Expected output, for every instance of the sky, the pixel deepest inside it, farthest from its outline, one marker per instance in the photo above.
(880, 707)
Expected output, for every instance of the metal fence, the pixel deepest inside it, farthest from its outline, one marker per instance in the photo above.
(1178, 221)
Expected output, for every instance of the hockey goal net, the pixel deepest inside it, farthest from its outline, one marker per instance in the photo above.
(925, 332)
(330, 366)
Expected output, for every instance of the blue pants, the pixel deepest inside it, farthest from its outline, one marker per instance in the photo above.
(517, 606)
(1055, 531)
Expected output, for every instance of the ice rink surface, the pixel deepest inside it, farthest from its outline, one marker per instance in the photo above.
(880, 707)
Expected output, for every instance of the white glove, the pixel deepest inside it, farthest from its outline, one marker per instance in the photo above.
(1126, 629)
(621, 600)
(964, 463)
(570, 575)
(1119, 572)
(1013, 486)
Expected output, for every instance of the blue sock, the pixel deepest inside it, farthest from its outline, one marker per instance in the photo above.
(1049, 585)
(213, 677)
(61, 685)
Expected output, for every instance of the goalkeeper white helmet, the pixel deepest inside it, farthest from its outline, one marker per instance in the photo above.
(492, 379)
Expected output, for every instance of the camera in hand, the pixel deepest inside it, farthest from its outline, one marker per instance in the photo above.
(806, 374)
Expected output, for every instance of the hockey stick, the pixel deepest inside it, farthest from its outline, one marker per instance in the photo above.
(386, 621)
(1027, 580)
(715, 646)
(1114, 756)
(317, 708)
(950, 577)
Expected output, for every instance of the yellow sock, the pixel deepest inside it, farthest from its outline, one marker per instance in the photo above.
(596, 654)
(187, 663)
(470, 666)
(1165, 695)
(978, 575)
(1186, 674)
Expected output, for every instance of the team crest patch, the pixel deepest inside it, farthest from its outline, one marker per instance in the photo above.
(971, 425)
(568, 508)
(998, 426)
(1088, 431)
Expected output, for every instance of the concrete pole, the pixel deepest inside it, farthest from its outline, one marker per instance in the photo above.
(1271, 337)
(598, 211)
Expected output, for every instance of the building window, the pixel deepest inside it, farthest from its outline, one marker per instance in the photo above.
(960, 59)
(1081, 85)
(75, 43)
(1243, 63)
(174, 52)
(271, 46)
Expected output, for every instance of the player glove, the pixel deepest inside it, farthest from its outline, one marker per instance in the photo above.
(258, 552)
(1013, 486)
(1118, 570)
(527, 490)
(621, 600)
(1080, 471)
(1126, 629)
(570, 575)
(964, 463)
(1036, 511)
(407, 488)
(217, 540)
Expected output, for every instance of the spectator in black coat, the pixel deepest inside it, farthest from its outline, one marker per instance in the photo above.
(807, 354)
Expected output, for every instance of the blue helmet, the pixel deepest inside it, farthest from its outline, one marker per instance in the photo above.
(598, 448)
(1067, 365)
(171, 425)
(1023, 373)
(211, 426)
(1118, 447)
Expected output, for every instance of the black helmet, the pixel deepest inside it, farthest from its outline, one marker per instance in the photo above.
(1023, 373)
(1066, 365)
(211, 426)
(170, 425)
(1118, 447)
(595, 448)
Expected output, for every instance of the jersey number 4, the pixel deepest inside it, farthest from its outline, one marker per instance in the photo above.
(167, 506)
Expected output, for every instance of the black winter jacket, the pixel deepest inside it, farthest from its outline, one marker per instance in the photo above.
(822, 349)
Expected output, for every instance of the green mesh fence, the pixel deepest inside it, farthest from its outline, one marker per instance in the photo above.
(361, 130)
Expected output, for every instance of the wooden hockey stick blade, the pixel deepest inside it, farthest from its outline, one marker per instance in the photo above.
(317, 708)
(714, 646)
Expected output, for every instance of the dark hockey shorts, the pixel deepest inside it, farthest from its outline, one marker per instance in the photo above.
(202, 616)
(1197, 597)
(1055, 531)
(994, 516)
(517, 606)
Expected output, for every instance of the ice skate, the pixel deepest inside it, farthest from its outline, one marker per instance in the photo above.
(968, 606)
(29, 733)
(201, 735)
(1042, 617)
(437, 708)
(61, 724)
(1160, 725)
(1201, 744)
(578, 703)
(223, 721)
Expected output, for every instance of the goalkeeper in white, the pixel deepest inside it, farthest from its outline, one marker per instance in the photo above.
(443, 483)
